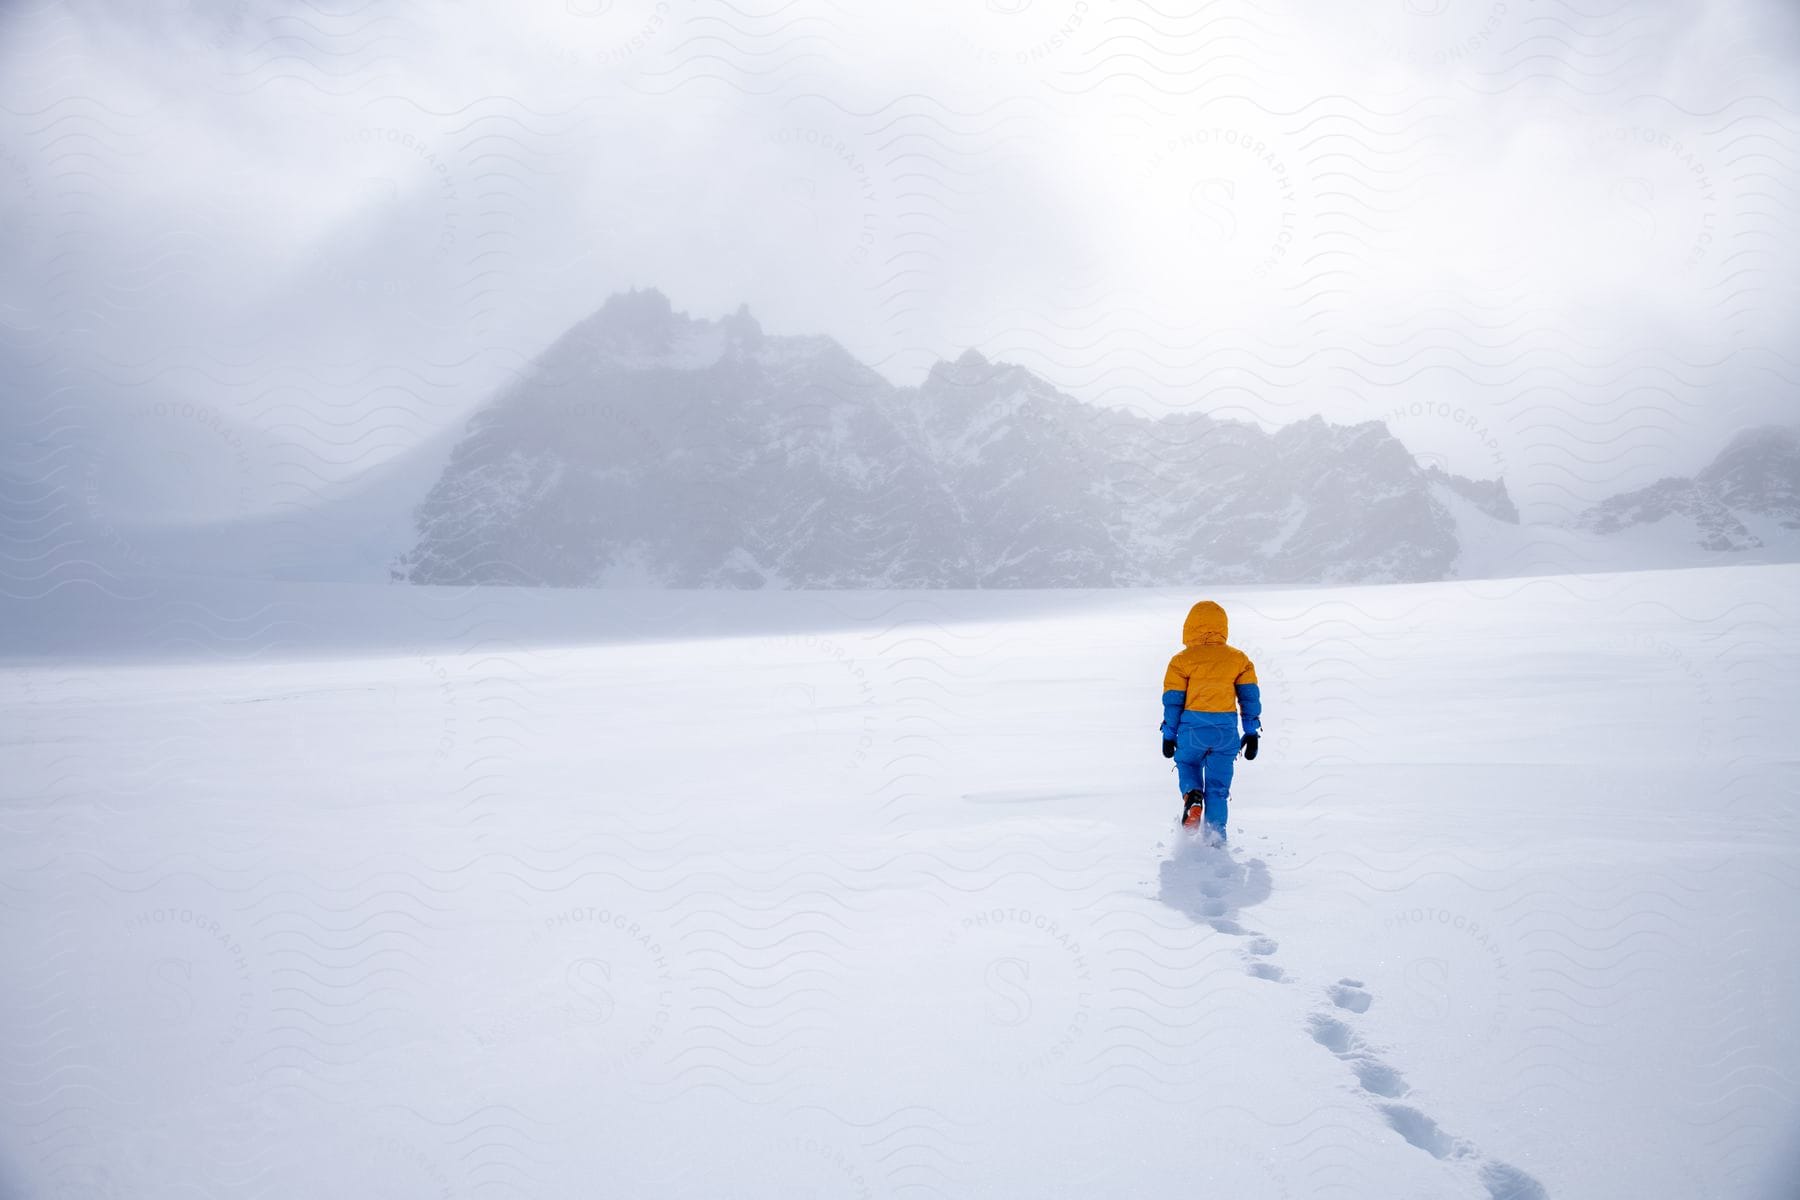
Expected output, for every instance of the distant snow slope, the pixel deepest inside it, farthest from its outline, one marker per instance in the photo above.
(84, 504)
(1742, 508)
(414, 891)
(1746, 499)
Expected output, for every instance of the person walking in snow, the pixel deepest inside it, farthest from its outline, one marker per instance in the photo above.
(1205, 688)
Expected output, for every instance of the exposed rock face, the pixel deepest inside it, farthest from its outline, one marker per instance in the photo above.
(1754, 480)
(1488, 495)
(649, 448)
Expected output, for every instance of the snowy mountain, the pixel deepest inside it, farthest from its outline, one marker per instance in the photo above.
(1746, 499)
(1489, 496)
(650, 448)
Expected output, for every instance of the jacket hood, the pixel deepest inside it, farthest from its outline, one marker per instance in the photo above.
(1205, 625)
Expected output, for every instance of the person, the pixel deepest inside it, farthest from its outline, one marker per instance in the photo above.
(1205, 688)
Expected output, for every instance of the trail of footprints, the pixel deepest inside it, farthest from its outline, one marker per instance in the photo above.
(1384, 1086)
(1226, 888)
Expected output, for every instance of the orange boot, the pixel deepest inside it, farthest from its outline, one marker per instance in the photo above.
(1193, 809)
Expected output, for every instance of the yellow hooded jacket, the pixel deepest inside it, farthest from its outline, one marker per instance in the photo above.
(1208, 684)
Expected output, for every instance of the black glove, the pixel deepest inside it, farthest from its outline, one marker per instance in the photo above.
(1249, 745)
(1168, 748)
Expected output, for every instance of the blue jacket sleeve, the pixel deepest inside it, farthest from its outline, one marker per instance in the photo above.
(1174, 698)
(1173, 703)
(1249, 698)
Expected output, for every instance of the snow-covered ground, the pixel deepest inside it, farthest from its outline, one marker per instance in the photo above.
(384, 892)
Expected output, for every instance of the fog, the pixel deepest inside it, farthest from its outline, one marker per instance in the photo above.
(255, 249)
(471, 724)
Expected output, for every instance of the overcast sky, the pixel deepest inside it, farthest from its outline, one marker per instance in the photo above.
(1539, 241)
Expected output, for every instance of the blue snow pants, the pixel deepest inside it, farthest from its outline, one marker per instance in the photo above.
(1205, 757)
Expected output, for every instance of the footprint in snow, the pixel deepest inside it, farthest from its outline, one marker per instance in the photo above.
(1211, 887)
(1332, 1034)
(1505, 1182)
(1372, 1075)
(1378, 1078)
(1423, 1132)
(1383, 1084)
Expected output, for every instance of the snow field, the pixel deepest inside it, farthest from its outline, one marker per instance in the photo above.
(546, 894)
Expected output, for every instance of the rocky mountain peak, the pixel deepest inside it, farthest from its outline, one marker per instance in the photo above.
(1749, 493)
(1759, 470)
(743, 328)
(651, 448)
(643, 313)
(639, 329)
(1488, 495)
(971, 372)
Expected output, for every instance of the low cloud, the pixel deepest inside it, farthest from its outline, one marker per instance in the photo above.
(1536, 242)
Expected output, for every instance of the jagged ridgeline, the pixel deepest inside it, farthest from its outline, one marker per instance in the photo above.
(1747, 498)
(647, 448)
